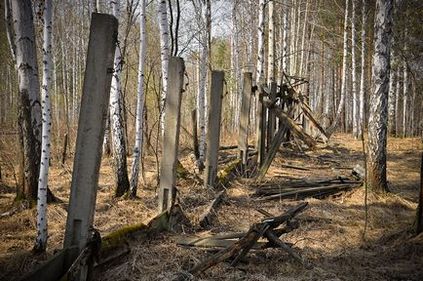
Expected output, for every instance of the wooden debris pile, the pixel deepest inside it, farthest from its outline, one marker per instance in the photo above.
(234, 247)
(301, 189)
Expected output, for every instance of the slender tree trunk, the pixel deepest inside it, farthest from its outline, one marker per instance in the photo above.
(285, 42)
(140, 105)
(341, 104)
(202, 83)
(41, 240)
(378, 117)
(116, 121)
(302, 50)
(355, 109)
(29, 120)
(164, 53)
(392, 92)
(405, 99)
(271, 44)
(260, 46)
(397, 100)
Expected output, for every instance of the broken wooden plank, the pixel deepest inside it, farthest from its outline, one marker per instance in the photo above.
(277, 141)
(292, 126)
(206, 219)
(214, 243)
(310, 191)
(310, 116)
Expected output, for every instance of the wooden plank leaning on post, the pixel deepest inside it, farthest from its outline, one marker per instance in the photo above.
(245, 116)
(169, 160)
(271, 125)
(89, 141)
(213, 130)
(261, 127)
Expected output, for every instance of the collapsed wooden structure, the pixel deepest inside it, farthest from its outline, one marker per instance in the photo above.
(235, 246)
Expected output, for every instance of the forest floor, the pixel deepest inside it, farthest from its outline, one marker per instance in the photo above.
(330, 235)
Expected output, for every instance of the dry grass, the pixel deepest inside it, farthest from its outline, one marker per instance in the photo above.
(330, 236)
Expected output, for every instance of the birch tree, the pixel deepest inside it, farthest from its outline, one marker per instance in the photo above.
(378, 117)
(260, 44)
(285, 41)
(116, 121)
(164, 54)
(41, 240)
(341, 104)
(355, 109)
(205, 35)
(140, 105)
(271, 44)
(363, 67)
(405, 97)
(29, 119)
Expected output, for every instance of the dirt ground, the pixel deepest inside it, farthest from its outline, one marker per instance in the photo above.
(330, 235)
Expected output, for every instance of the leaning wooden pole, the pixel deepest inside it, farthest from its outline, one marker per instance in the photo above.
(169, 160)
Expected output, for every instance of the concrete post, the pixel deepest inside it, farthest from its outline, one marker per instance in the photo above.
(89, 141)
(245, 116)
(213, 127)
(169, 160)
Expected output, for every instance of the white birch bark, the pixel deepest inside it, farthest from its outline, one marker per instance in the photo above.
(271, 44)
(285, 42)
(41, 240)
(29, 91)
(302, 50)
(140, 105)
(392, 92)
(355, 110)
(363, 68)
(378, 117)
(260, 44)
(397, 99)
(405, 99)
(341, 104)
(164, 54)
(116, 122)
(204, 23)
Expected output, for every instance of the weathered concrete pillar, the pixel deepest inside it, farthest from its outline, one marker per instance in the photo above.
(169, 160)
(89, 141)
(213, 127)
(271, 124)
(245, 116)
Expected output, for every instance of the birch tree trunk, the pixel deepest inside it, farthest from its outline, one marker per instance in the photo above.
(302, 50)
(285, 42)
(116, 121)
(140, 106)
(397, 99)
(202, 82)
(164, 54)
(363, 68)
(355, 113)
(29, 119)
(405, 99)
(271, 44)
(41, 240)
(378, 117)
(260, 44)
(392, 92)
(341, 104)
